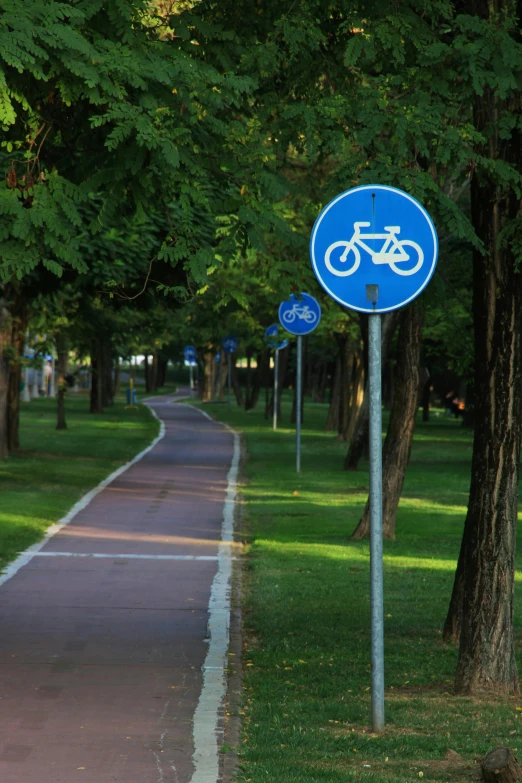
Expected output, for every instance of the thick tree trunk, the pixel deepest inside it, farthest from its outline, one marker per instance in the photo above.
(501, 766)
(208, 378)
(360, 430)
(162, 371)
(486, 652)
(62, 348)
(117, 377)
(261, 377)
(332, 420)
(222, 375)
(426, 398)
(108, 371)
(97, 378)
(19, 312)
(356, 395)
(236, 385)
(248, 384)
(399, 437)
(5, 341)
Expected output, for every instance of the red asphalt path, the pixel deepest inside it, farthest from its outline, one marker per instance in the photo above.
(100, 658)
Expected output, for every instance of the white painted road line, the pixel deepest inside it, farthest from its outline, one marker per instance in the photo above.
(213, 693)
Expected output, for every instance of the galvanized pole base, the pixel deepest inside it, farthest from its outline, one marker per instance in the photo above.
(299, 396)
(276, 380)
(376, 569)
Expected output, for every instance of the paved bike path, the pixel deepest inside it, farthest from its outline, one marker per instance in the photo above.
(103, 632)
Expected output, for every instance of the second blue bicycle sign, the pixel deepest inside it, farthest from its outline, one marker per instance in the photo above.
(300, 314)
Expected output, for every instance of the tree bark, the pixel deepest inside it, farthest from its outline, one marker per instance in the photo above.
(500, 766)
(356, 394)
(261, 377)
(360, 430)
(19, 312)
(208, 378)
(399, 437)
(332, 420)
(97, 378)
(236, 385)
(487, 559)
(62, 348)
(5, 342)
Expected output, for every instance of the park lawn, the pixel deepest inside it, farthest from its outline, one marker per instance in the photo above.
(53, 469)
(306, 717)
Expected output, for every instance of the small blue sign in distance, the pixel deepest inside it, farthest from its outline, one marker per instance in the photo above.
(230, 344)
(273, 337)
(218, 356)
(374, 241)
(190, 353)
(300, 314)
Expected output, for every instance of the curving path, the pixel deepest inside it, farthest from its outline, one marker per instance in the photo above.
(103, 646)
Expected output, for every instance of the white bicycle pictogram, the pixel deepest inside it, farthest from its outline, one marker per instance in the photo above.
(392, 252)
(302, 312)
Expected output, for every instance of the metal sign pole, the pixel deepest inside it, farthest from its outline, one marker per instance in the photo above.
(229, 377)
(376, 569)
(191, 381)
(276, 373)
(299, 396)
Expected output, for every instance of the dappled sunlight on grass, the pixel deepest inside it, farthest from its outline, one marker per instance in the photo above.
(307, 621)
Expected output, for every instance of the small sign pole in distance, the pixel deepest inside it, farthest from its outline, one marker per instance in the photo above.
(299, 315)
(190, 354)
(229, 346)
(374, 249)
(275, 340)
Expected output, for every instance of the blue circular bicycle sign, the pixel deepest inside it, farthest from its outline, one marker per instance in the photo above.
(229, 344)
(274, 338)
(374, 248)
(300, 314)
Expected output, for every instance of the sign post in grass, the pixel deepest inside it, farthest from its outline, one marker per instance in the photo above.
(299, 315)
(374, 249)
(275, 340)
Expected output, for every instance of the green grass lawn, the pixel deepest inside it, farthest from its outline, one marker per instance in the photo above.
(307, 647)
(53, 469)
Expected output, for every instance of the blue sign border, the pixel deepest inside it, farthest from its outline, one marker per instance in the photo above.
(375, 309)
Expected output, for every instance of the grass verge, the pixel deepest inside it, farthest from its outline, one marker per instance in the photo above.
(306, 615)
(53, 469)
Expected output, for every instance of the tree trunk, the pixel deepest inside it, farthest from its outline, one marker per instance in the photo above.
(356, 395)
(117, 377)
(486, 653)
(500, 766)
(261, 377)
(62, 348)
(97, 378)
(107, 370)
(236, 385)
(5, 341)
(426, 398)
(360, 430)
(148, 374)
(208, 378)
(399, 437)
(222, 375)
(248, 384)
(332, 420)
(19, 312)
